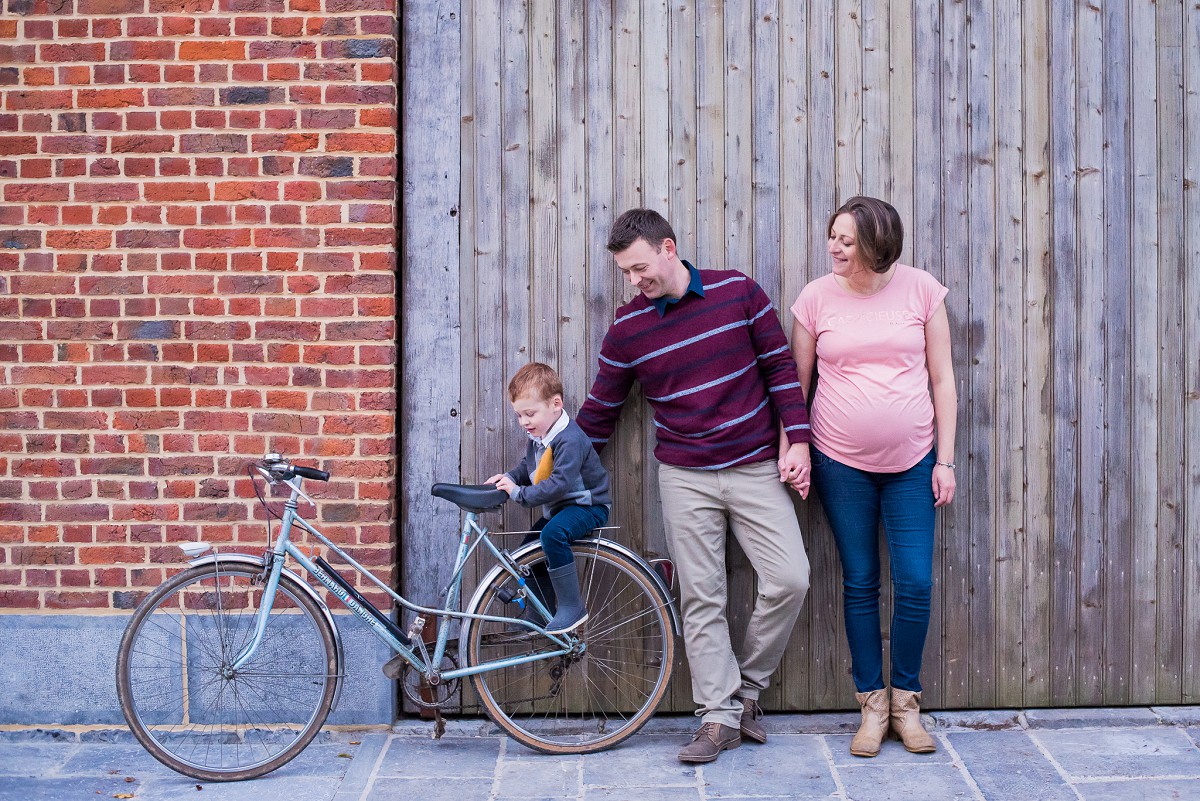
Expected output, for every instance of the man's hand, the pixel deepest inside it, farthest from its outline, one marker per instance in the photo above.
(503, 482)
(795, 468)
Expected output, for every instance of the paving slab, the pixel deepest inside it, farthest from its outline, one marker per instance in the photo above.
(34, 758)
(444, 789)
(519, 776)
(640, 762)
(1009, 766)
(1157, 790)
(883, 782)
(461, 757)
(67, 788)
(788, 766)
(1125, 753)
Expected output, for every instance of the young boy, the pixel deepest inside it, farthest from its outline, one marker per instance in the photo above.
(560, 472)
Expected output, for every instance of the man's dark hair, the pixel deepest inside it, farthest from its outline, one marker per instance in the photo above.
(638, 224)
(878, 231)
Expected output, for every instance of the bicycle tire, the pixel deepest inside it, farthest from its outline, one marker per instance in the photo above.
(606, 694)
(203, 723)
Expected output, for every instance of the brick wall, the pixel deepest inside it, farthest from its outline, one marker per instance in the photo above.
(197, 265)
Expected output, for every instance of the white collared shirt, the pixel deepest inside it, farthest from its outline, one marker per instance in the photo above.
(554, 431)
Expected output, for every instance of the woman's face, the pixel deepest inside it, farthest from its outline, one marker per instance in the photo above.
(843, 247)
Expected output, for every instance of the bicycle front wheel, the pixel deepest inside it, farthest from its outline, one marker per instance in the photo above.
(186, 704)
(585, 701)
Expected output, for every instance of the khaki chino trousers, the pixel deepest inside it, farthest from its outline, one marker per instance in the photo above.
(700, 508)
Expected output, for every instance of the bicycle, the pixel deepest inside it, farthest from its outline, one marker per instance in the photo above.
(228, 670)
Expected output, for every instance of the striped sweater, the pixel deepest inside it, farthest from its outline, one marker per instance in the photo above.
(715, 368)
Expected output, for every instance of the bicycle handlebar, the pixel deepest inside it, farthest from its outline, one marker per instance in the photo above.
(310, 472)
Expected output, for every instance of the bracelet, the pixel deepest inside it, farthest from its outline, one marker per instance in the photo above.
(946, 464)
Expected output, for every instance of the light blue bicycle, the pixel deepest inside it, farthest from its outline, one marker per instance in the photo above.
(229, 669)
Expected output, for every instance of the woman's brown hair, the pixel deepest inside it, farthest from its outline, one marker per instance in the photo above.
(878, 231)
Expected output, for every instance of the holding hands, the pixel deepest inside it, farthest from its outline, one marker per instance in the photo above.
(795, 468)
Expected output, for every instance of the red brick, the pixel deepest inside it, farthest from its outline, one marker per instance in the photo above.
(212, 51)
(76, 51)
(176, 191)
(110, 98)
(242, 190)
(105, 7)
(79, 240)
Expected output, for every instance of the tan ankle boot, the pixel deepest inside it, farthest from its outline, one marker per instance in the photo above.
(906, 722)
(874, 724)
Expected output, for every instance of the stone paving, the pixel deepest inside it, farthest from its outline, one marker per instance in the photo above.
(1036, 755)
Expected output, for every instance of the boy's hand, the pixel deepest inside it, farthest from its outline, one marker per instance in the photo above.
(503, 482)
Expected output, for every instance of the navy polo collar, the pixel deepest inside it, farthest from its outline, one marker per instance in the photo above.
(695, 286)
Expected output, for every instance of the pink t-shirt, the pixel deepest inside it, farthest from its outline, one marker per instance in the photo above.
(872, 409)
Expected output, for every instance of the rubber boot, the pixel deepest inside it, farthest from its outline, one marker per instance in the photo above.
(874, 726)
(906, 722)
(570, 612)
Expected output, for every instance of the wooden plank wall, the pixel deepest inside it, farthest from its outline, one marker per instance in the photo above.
(1044, 158)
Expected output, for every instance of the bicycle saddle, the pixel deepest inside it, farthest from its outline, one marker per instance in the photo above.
(471, 497)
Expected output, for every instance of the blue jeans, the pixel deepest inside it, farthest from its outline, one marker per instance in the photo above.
(566, 526)
(855, 502)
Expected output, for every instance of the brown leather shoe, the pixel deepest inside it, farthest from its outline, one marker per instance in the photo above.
(709, 741)
(752, 715)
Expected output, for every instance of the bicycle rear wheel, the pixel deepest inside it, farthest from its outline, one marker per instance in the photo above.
(189, 709)
(592, 700)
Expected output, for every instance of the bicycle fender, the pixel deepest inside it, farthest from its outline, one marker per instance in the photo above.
(257, 562)
(599, 544)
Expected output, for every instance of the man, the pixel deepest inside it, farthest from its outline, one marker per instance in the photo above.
(714, 365)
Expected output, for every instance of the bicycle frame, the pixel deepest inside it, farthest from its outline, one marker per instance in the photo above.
(410, 645)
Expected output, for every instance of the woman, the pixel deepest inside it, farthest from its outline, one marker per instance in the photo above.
(878, 335)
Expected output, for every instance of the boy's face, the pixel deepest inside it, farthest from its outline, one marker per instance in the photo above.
(538, 416)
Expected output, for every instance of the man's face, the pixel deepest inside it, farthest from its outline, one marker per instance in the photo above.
(653, 272)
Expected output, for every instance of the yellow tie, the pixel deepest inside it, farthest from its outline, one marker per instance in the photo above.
(545, 466)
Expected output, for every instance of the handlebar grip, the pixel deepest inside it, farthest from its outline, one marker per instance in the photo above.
(310, 472)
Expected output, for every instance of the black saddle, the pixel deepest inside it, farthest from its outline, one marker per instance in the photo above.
(471, 497)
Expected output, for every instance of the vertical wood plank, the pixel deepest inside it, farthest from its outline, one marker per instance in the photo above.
(830, 684)
(925, 227)
(1174, 646)
(1190, 242)
(571, 313)
(739, 111)
(709, 245)
(901, 82)
(1007, 443)
(980, 408)
(817, 621)
(544, 214)
(430, 226)
(848, 111)
(1117, 178)
(765, 174)
(877, 179)
(1090, 222)
(515, 254)
(1065, 299)
(956, 532)
(1144, 361)
(1038, 374)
